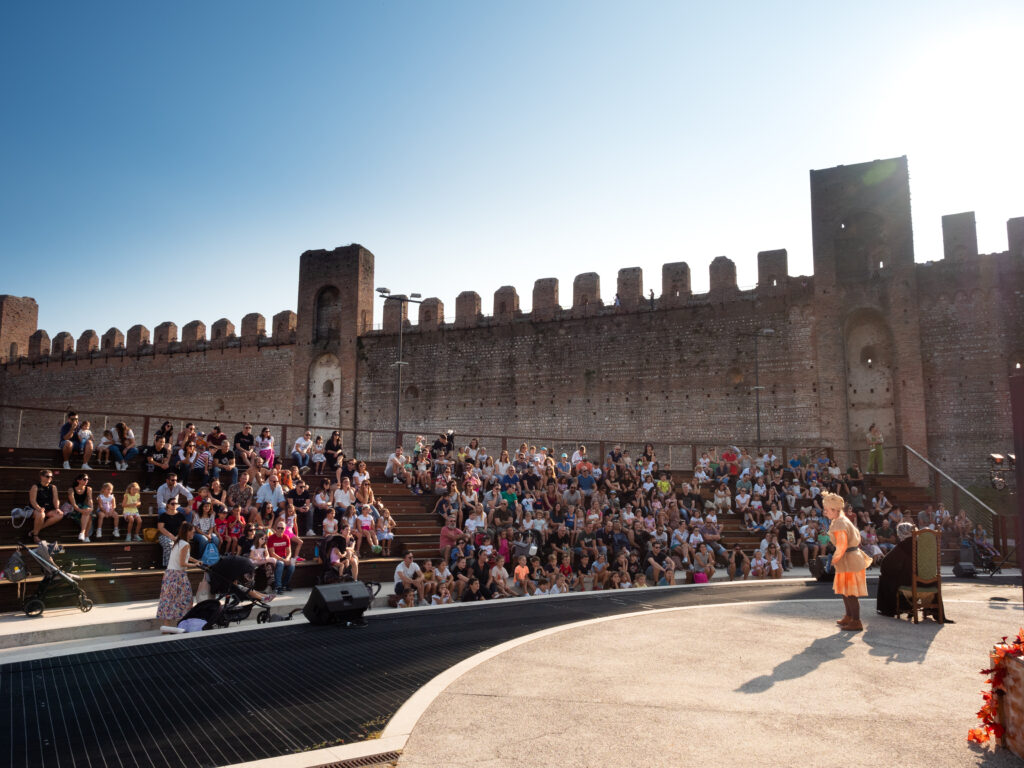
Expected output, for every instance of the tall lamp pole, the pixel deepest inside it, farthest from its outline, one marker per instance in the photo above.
(413, 298)
(757, 379)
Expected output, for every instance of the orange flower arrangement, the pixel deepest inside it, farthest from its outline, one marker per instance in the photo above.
(991, 728)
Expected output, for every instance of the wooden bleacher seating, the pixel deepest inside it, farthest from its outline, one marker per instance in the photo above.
(114, 570)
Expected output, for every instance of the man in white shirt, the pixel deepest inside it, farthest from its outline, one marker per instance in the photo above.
(271, 491)
(408, 576)
(395, 470)
(301, 451)
(170, 490)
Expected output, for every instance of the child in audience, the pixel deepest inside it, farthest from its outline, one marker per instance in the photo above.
(107, 507)
(330, 523)
(260, 556)
(317, 456)
(247, 540)
(367, 530)
(758, 565)
(130, 502)
(443, 596)
(85, 432)
(521, 577)
(205, 522)
(236, 527)
(386, 531)
(220, 525)
(103, 452)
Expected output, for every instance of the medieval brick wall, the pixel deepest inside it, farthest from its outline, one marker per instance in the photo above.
(922, 349)
(226, 386)
(972, 334)
(680, 375)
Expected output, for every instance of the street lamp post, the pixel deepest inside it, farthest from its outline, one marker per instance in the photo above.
(757, 379)
(413, 298)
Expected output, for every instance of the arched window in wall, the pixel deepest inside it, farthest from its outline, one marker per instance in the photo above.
(328, 315)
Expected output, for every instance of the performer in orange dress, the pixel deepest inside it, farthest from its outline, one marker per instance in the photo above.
(849, 560)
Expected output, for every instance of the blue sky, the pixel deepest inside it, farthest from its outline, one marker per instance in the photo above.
(171, 161)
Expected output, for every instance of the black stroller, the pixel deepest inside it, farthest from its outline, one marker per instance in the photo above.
(57, 583)
(330, 574)
(230, 582)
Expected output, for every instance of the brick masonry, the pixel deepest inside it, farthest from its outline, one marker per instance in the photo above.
(924, 349)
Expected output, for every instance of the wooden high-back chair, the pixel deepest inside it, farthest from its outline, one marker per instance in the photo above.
(924, 593)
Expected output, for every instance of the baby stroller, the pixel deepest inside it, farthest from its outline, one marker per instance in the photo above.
(329, 574)
(987, 559)
(57, 583)
(230, 581)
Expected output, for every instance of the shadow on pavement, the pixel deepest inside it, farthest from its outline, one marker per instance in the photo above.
(908, 644)
(822, 650)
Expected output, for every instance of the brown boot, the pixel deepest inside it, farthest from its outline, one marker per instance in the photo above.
(843, 620)
(853, 625)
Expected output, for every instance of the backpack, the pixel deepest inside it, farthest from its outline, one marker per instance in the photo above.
(15, 569)
(210, 555)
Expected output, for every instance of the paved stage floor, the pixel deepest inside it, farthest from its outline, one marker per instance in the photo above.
(768, 683)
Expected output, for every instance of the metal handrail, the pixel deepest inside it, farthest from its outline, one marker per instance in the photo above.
(366, 437)
(963, 490)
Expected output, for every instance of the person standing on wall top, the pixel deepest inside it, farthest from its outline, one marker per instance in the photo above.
(876, 457)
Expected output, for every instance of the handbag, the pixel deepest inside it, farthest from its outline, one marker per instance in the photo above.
(203, 593)
(19, 515)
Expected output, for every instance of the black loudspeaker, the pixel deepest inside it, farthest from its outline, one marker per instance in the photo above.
(337, 603)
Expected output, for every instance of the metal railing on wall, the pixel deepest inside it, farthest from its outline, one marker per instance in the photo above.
(38, 427)
(956, 497)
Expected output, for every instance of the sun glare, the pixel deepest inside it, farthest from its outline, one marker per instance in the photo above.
(956, 112)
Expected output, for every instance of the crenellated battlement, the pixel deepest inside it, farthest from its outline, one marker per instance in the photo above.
(163, 340)
(773, 283)
(853, 221)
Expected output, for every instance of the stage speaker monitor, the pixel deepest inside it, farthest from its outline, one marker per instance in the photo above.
(337, 603)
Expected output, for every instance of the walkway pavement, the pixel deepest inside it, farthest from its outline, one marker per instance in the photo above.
(773, 684)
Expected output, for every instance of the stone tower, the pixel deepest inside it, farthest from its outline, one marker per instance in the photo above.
(19, 316)
(335, 306)
(866, 305)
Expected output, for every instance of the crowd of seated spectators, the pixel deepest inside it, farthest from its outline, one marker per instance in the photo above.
(522, 522)
(236, 492)
(529, 522)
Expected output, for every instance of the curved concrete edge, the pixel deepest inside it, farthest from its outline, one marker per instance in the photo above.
(328, 755)
(395, 735)
(405, 719)
(399, 727)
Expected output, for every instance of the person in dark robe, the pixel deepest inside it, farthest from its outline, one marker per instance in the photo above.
(896, 570)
